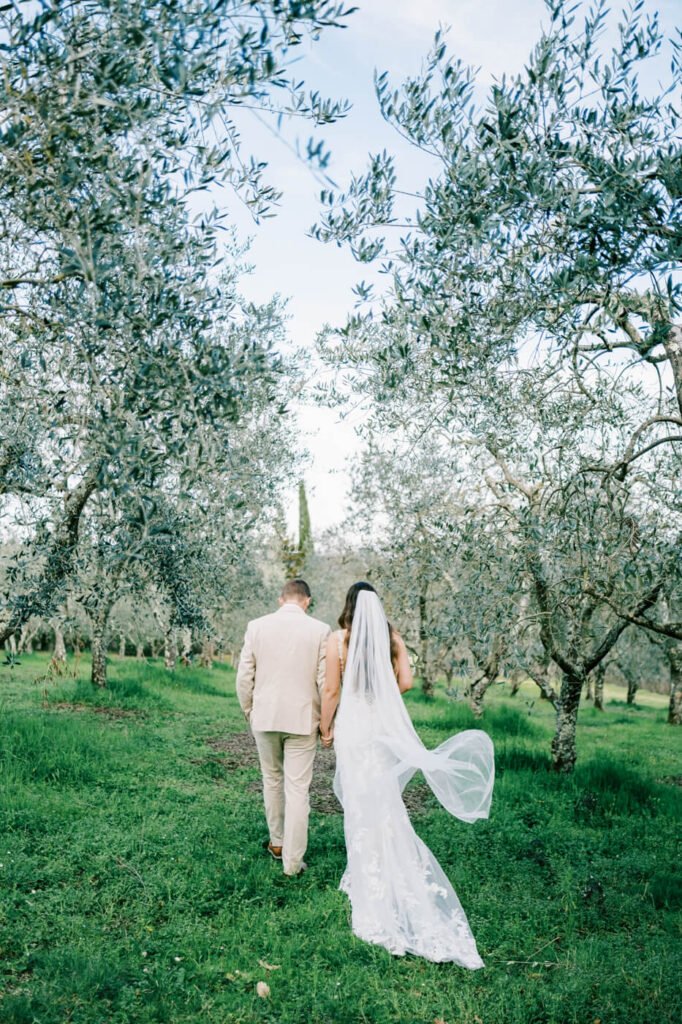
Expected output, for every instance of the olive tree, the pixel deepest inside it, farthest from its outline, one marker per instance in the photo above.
(407, 510)
(588, 533)
(529, 291)
(444, 563)
(120, 361)
(585, 541)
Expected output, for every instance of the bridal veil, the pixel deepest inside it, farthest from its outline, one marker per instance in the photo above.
(400, 897)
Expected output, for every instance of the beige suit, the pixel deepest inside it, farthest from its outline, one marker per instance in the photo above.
(279, 685)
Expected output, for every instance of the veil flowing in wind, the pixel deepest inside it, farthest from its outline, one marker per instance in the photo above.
(400, 897)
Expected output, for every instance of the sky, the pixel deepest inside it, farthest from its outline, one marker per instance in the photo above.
(495, 36)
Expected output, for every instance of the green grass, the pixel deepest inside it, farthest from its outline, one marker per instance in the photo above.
(134, 887)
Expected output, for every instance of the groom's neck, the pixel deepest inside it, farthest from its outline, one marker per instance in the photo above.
(297, 604)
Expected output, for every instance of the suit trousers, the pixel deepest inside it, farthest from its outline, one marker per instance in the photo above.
(286, 761)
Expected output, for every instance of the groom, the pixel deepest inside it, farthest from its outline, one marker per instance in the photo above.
(279, 685)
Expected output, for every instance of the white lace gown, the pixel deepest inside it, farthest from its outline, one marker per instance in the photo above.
(399, 895)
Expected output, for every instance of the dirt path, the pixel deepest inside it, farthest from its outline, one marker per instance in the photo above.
(237, 750)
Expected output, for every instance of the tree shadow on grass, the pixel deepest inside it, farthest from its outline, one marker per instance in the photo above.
(521, 757)
(503, 721)
(603, 788)
(187, 678)
(612, 787)
(56, 749)
(190, 683)
(120, 694)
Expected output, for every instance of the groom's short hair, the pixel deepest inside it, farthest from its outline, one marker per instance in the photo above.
(297, 589)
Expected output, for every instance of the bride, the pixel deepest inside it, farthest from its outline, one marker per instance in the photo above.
(399, 895)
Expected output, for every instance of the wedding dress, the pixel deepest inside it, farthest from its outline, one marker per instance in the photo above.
(400, 896)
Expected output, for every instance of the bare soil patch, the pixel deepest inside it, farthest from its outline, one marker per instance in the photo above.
(671, 780)
(234, 750)
(237, 750)
(108, 712)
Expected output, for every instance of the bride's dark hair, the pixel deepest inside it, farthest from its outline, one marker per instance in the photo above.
(346, 616)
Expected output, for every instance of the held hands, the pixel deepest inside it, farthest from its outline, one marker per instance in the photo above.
(327, 739)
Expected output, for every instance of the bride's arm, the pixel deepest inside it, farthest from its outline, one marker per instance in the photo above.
(330, 694)
(403, 670)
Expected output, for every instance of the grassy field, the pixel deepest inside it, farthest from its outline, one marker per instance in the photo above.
(134, 886)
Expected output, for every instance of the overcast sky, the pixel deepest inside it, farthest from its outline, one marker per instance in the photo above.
(393, 35)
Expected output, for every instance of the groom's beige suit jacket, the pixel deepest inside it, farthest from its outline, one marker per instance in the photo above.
(281, 671)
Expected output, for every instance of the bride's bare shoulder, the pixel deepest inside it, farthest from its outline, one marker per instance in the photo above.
(334, 638)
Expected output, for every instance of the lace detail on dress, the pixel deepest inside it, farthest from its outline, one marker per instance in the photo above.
(400, 896)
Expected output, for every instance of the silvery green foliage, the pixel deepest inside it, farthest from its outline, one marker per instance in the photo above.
(126, 355)
(556, 208)
(192, 551)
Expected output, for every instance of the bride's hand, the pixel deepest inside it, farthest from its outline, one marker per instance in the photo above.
(326, 739)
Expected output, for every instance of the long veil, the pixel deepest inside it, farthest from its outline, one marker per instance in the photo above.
(461, 771)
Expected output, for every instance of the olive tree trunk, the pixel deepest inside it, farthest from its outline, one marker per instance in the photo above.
(488, 673)
(424, 661)
(477, 692)
(186, 648)
(599, 673)
(122, 647)
(170, 650)
(59, 654)
(207, 652)
(28, 632)
(99, 612)
(674, 652)
(563, 743)
(538, 670)
(633, 686)
(516, 677)
(98, 648)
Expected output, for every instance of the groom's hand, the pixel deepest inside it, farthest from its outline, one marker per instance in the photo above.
(327, 739)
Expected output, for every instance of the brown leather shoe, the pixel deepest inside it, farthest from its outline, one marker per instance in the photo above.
(274, 851)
